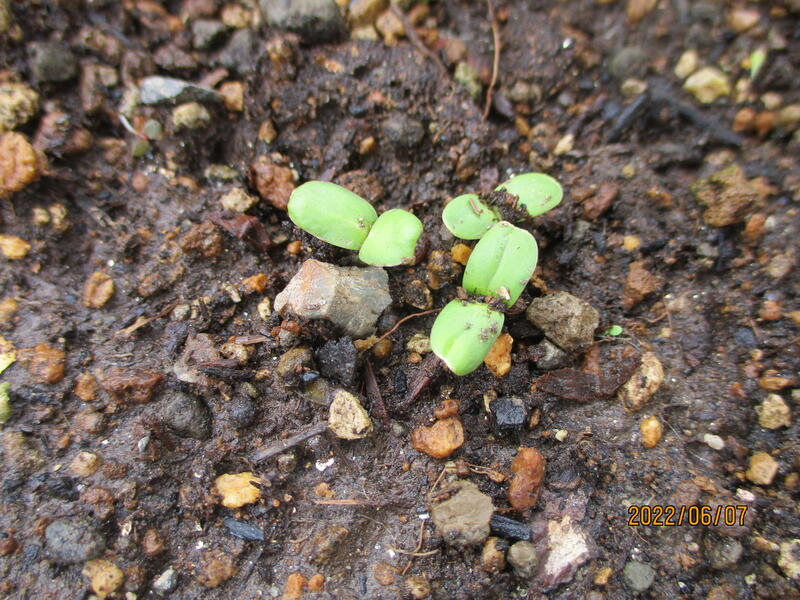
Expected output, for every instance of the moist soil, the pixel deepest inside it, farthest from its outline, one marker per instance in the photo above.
(389, 119)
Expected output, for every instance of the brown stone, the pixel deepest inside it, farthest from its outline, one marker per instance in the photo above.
(639, 283)
(152, 543)
(98, 290)
(639, 9)
(439, 440)
(384, 574)
(203, 239)
(90, 421)
(295, 584)
(525, 487)
(85, 387)
(136, 386)
(44, 363)
(273, 182)
(20, 164)
(601, 201)
(498, 359)
(216, 567)
(728, 195)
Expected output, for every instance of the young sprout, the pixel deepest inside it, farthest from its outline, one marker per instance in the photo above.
(467, 217)
(392, 239)
(501, 263)
(463, 334)
(332, 213)
(537, 192)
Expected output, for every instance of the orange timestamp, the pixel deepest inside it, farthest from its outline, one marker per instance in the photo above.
(670, 515)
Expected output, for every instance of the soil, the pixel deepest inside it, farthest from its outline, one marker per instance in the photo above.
(717, 304)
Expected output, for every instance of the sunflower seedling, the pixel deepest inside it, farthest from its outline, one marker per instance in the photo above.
(332, 213)
(536, 192)
(502, 262)
(392, 239)
(468, 217)
(463, 333)
(338, 216)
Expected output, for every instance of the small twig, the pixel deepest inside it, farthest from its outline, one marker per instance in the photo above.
(348, 502)
(407, 318)
(247, 340)
(284, 445)
(414, 38)
(374, 392)
(495, 62)
(415, 554)
(417, 549)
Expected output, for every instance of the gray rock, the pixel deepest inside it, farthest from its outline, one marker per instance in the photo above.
(52, 62)
(638, 576)
(187, 415)
(242, 411)
(237, 55)
(524, 558)
(568, 321)
(402, 131)
(73, 540)
(171, 91)
(629, 62)
(165, 582)
(315, 20)
(350, 297)
(463, 520)
(553, 358)
(725, 554)
(206, 33)
(337, 360)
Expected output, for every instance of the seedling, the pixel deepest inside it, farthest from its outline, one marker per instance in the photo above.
(537, 192)
(468, 217)
(502, 262)
(332, 213)
(392, 239)
(463, 333)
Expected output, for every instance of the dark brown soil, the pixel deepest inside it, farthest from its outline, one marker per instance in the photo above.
(719, 312)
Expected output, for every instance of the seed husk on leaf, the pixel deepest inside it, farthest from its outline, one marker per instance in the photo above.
(502, 262)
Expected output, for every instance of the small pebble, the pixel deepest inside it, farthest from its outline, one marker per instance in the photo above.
(104, 576)
(498, 359)
(528, 468)
(652, 430)
(439, 440)
(238, 200)
(774, 413)
(191, 115)
(13, 247)
(237, 489)
(493, 556)
(713, 441)
(762, 468)
(84, 464)
(687, 64)
(524, 558)
(708, 84)
(639, 576)
(789, 560)
(463, 519)
(419, 343)
(347, 418)
(418, 587)
(460, 253)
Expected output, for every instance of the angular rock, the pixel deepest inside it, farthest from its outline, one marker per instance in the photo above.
(643, 384)
(73, 540)
(439, 440)
(774, 413)
(237, 55)
(52, 62)
(552, 357)
(708, 84)
(18, 104)
(171, 91)
(508, 414)
(569, 549)
(402, 131)
(166, 582)
(350, 297)
(762, 468)
(463, 519)
(206, 33)
(293, 361)
(347, 418)
(789, 560)
(315, 20)
(337, 360)
(187, 415)
(568, 321)
(524, 557)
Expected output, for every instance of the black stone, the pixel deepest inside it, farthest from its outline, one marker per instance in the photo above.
(509, 528)
(509, 414)
(187, 416)
(337, 360)
(242, 411)
(243, 530)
